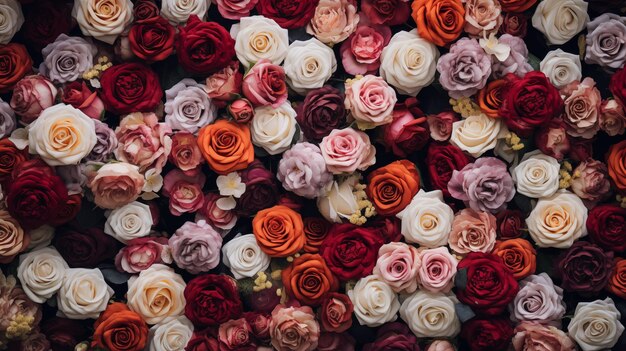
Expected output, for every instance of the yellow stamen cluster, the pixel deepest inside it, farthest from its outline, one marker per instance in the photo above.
(365, 207)
(83, 346)
(350, 81)
(565, 175)
(465, 107)
(20, 326)
(513, 141)
(622, 200)
(261, 282)
(277, 274)
(95, 71)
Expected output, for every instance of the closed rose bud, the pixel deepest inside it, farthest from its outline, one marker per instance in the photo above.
(32, 95)
(241, 110)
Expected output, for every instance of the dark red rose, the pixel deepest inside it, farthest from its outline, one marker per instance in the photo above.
(152, 39)
(511, 224)
(321, 111)
(63, 333)
(204, 47)
(581, 149)
(68, 211)
(212, 299)
(388, 228)
(442, 160)
(44, 21)
(84, 247)
(203, 340)
(10, 158)
(261, 189)
(263, 301)
(493, 334)
(15, 63)
(130, 87)
(315, 229)
(145, 10)
(585, 268)
(288, 14)
(291, 200)
(260, 324)
(529, 102)
(393, 337)
(351, 251)
(553, 140)
(490, 284)
(387, 12)
(81, 97)
(408, 132)
(606, 225)
(515, 24)
(336, 342)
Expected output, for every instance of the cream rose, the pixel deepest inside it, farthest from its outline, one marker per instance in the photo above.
(272, 128)
(339, 202)
(596, 325)
(12, 20)
(537, 175)
(374, 301)
(178, 11)
(156, 294)
(40, 237)
(408, 62)
(104, 20)
(561, 68)
(129, 222)
(427, 220)
(62, 135)
(560, 20)
(431, 315)
(244, 257)
(41, 273)
(477, 134)
(333, 21)
(308, 65)
(258, 37)
(557, 221)
(172, 335)
(83, 294)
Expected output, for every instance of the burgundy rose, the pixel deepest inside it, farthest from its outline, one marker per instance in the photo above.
(84, 247)
(63, 333)
(321, 111)
(204, 47)
(492, 334)
(515, 24)
(387, 12)
(44, 21)
(585, 268)
(335, 313)
(263, 301)
(553, 140)
(606, 225)
(145, 10)
(617, 86)
(152, 39)
(408, 131)
(393, 337)
(68, 211)
(388, 228)
(511, 224)
(581, 149)
(211, 300)
(442, 160)
(130, 87)
(261, 189)
(336, 342)
(289, 14)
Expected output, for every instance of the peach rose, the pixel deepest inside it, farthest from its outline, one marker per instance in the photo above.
(116, 184)
(185, 153)
(224, 85)
(103, 19)
(13, 240)
(333, 21)
(612, 118)
(473, 231)
(294, 329)
(482, 17)
(536, 337)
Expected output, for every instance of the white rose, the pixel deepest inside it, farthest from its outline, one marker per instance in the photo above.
(104, 20)
(258, 37)
(40, 237)
(12, 20)
(557, 221)
(427, 220)
(537, 175)
(41, 273)
(431, 315)
(560, 20)
(62, 135)
(171, 336)
(178, 11)
(129, 222)
(244, 257)
(596, 325)
(273, 128)
(83, 294)
(561, 68)
(477, 134)
(156, 294)
(409, 62)
(339, 202)
(308, 65)
(374, 301)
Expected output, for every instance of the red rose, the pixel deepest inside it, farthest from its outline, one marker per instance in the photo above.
(16, 63)
(393, 337)
(63, 333)
(515, 24)
(408, 131)
(387, 12)
(289, 14)
(203, 340)
(335, 313)
(10, 157)
(490, 285)
(211, 300)
(351, 251)
(492, 334)
(606, 225)
(388, 228)
(261, 189)
(145, 10)
(529, 102)
(152, 39)
(442, 160)
(204, 47)
(553, 140)
(510, 224)
(617, 86)
(84, 247)
(44, 21)
(68, 211)
(78, 95)
(130, 87)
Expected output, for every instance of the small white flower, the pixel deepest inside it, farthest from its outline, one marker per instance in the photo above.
(231, 185)
(493, 47)
(226, 203)
(154, 181)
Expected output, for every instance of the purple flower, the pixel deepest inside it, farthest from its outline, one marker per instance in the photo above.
(7, 119)
(196, 247)
(484, 185)
(465, 69)
(106, 143)
(516, 62)
(606, 41)
(302, 170)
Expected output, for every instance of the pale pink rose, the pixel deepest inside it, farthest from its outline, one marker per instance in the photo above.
(440, 345)
(536, 337)
(346, 150)
(241, 110)
(196, 247)
(482, 17)
(116, 184)
(215, 216)
(436, 274)
(370, 101)
(264, 84)
(143, 141)
(235, 9)
(294, 329)
(360, 53)
(440, 125)
(398, 264)
(184, 191)
(224, 85)
(235, 335)
(185, 153)
(473, 231)
(612, 118)
(333, 21)
(141, 253)
(32, 95)
(590, 181)
(582, 108)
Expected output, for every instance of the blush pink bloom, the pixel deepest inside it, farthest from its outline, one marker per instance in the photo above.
(141, 253)
(482, 17)
(143, 141)
(398, 264)
(441, 125)
(590, 182)
(32, 95)
(215, 216)
(472, 231)
(224, 85)
(612, 118)
(536, 337)
(360, 53)
(235, 9)
(334, 21)
(116, 184)
(370, 101)
(236, 334)
(196, 247)
(346, 150)
(294, 329)
(264, 84)
(185, 153)
(184, 191)
(440, 345)
(553, 140)
(436, 274)
(582, 108)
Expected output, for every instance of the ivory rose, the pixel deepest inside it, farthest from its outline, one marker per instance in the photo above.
(178, 11)
(537, 175)
(427, 220)
(273, 129)
(560, 20)
(83, 294)
(12, 19)
(339, 202)
(477, 134)
(596, 325)
(128, 222)
(557, 221)
(171, 335)
(259, 37)
(308, 65)
(374, 301)
(562, 68)
(104, 20)
(431, 315)
(243, 256)
(41, 273)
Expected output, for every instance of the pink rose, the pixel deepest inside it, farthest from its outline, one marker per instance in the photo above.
(32, 95)
(408, 132)
(440, 345)
(196, 247)
(236, 335)
(185, 153)
(241, 110)
(441, 125)
(482, 17)
(553, 141)
(360, 53)
(335, 313)
(612, 118)
(143, 141)
(436, 274)
(184, 191)
(346, 150)
(536, 337)
(336, 342)
(214, 215)
(116, 184)
(224, 85)
(260, 324)
(582, 108)
(141, 253)
(294, 329)
(370, 101)
(590, 181)
(473, 231)
(235, 9)
(264, 84)
(398, 265)
(333, 21)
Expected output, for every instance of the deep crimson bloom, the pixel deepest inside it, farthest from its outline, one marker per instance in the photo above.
(211, 300)
(492, 334)
(130, 87)
(288, 14)
(152, 39)
(204, 47)
(606, 225)
(442, 160)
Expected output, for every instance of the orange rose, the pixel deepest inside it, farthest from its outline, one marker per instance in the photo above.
(490, 98)
(516, 5)
(308, 279)
(279, 231)
(519, 255)
(120, 329)
(439, 21)
(315, 231)
(391, 188)
(16, 63)
(226, 146)
(617, 282)
(616, 162)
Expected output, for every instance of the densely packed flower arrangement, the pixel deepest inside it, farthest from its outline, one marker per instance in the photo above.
(305, 175)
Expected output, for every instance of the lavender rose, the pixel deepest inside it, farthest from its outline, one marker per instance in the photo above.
(606, 41)
(538, 300)
(516, 62)
(7, 119)
(106, 142)
(67, 58)
(188, 106)
(465, 69)
(590, 182)
(302, 170)
(196, 247)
